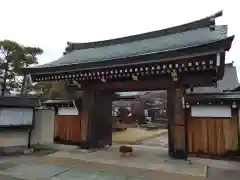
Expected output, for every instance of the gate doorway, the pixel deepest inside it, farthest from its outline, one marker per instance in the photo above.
(140, 118)
(137, 113)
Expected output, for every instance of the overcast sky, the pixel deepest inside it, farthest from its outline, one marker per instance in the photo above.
(49, 24)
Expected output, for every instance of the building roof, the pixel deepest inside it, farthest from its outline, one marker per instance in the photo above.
(58, 102)
(152, 45)
(228, 83)
(213, 98)
(205, 22)
(126, 94)
(194, 34)
(21, 102)
(236, 89)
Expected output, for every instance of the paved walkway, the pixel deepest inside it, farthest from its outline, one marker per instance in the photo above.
(67, 169)
(223, 174)
(44, 168)
(76, 164)
(79, 166)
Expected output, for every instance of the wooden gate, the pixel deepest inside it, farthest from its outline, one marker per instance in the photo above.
(68, 129)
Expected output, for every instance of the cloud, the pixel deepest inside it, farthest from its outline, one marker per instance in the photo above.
(50, 24)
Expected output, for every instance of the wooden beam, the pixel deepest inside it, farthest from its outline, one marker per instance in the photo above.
(131, 85)
(158, 83)
(145, 69)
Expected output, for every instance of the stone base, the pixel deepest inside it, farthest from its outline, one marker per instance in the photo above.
(28, 151)
(14, 150)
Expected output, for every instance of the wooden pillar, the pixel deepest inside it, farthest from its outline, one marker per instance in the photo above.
(235, 118)
(87, 115)
(104, 118)
(96, 124)
(177, 126)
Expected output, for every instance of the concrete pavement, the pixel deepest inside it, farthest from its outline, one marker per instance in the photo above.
(65, 169)
(223, 174)
(82, 171)
(3, 177)
(47, 167)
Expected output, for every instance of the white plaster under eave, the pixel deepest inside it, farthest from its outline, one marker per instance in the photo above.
(211, 111)
(68, 111)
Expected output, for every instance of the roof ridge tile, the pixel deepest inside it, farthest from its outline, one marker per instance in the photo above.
(204, 22)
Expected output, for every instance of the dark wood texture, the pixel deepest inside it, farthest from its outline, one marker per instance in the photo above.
(177, 123)
(158, 83)
(17, 101)
(213, 98)
(97, 118)
(102, 123)
(87, 113)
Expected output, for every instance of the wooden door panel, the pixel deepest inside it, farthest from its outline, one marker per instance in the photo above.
(68, 128)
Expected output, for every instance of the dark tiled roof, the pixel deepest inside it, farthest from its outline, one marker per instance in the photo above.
(58, 102)
(189, 35)
(125, 94)
(205, 22)
(224, 96)
(63, 103)
(230, 79)
(236, 89)
(15, 101)
(159, 44)
(228, 83)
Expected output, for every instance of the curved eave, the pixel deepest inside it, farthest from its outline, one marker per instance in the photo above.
(212, 98)
(127, 98)
(58, 103)
(205, 22)
(216, 46)
(21, 102)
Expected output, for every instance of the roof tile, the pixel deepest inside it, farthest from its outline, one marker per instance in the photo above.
(153, 45)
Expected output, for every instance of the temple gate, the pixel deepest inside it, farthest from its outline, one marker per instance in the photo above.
(172, 59)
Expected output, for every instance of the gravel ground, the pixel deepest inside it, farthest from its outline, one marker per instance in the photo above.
(158, 141)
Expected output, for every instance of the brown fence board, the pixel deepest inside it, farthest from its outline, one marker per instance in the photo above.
(68, 128)
(213, 136)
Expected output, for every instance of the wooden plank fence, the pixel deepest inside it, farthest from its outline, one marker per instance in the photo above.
(68, 128)
(212, 136)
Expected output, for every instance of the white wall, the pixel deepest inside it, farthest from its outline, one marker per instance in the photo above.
(211, 111)
(68, 111)
(13, 138)
(42, 133)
